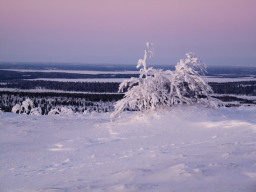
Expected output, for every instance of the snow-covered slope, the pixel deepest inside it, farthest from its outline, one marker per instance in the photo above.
(186, 149)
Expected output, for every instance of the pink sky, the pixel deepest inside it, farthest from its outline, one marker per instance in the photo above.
(115, 31)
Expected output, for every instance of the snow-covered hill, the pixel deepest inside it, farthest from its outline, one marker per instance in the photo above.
(186, 149)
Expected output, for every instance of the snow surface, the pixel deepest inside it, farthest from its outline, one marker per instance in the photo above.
(189, 148)
(218, 79)
(206, 78)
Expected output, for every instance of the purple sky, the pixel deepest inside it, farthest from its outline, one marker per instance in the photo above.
(221, 32)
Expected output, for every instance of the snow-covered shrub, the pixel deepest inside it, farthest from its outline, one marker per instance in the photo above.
(27, 107)
(155, 88)
(16, 108)
(66, 111)
(62, 111)
(36, 111)
(85, 112)
(1, 112)
(54, 111)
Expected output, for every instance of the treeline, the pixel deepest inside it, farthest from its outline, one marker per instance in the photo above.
(14, 75)
(46, 101)
(237, 88)
(232, 101)
(100, 87)
(80, 102)
(241, 88)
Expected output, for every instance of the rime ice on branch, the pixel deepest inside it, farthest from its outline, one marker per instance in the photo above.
(187, 85)
(155, 88)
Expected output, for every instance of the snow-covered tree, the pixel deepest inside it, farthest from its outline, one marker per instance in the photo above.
(155, 88)
(62, 111)
(36, 111)
(54, 111)
(187, 85)
(16, 108)
(66, 111)
(145, 92)
(27, 107)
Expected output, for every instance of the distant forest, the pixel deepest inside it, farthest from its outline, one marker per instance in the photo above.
(15, 75)
(76, 101)
(99, 87)
(97, 96)
(238, 88)
(241, 88)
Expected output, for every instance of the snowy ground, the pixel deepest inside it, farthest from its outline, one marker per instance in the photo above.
(217, 79)
(186, 149)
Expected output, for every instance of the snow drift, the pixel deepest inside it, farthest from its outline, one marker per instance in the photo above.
(189, 148)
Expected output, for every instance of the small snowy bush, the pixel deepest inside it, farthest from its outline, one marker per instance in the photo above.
(85, 112)
(1, 112)
(62, 111)
(155, 88)
(27, 107)
(54, 111)
(66, 111)
(16, 108)
(36, 111)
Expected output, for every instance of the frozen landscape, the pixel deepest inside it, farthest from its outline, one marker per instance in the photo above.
(167, 133)
(188, 148)
(86, 107)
